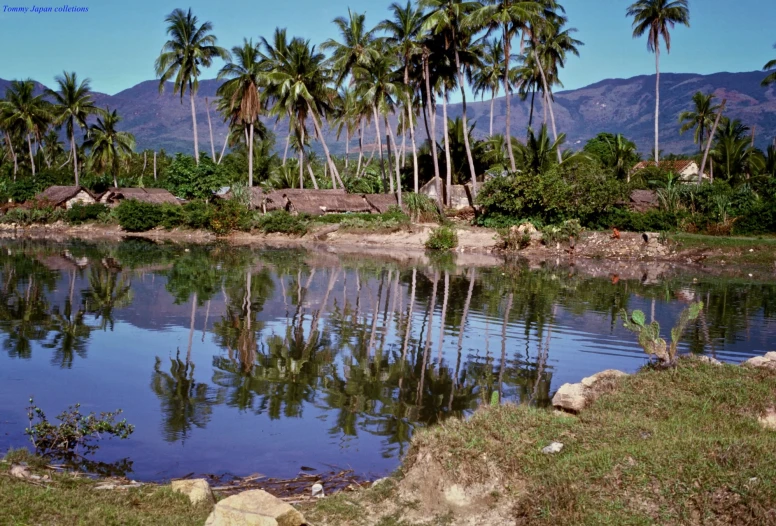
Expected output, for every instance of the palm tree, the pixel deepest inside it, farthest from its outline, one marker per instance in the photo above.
(356, 48)
(487, 78)
(405, 31)
(446, 17)
(701, 118)
(623, 155)
(108, 145)
(509, 17)
(242, 90)
(24, 113)
(536, 154)
(656, 18)
(299, 82)
(770, 79)
(190, 47)
(73, 105)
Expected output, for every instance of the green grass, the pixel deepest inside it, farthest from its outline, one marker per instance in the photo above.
(676, 446)
(67, 500)
(743, 250)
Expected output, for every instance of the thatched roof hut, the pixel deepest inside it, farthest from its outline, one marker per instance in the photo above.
(155, 196)
(319, 203)
(381, 203)
(66, 196)
(281, 199)
(256, 195)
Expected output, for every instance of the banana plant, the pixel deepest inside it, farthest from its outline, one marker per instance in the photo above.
(649, 334)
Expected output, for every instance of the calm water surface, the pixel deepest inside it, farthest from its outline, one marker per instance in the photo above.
(234, 360)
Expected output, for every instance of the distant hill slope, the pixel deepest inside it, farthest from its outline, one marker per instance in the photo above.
(616, 105)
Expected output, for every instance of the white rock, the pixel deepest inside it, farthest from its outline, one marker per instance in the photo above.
(768, 420)
(590, 381)
(317, 490)
(198, 490)
(555, 447)
(708, 359)
(570, 397)
(770, 356)
(20, 472)
(761, 361)
(254, 508)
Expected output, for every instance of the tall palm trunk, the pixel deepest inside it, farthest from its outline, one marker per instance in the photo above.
(379, 144)
(708, 144)
(301, 155)
(390, 145)
(250, 156)
(347, 146)
(530, 114)
(411, 126)
(194, 123)
(548, 103)
(191, 329)
(13, 154)
(75, 158)
(32, 155)
(448, 163)
(220, 157)
(319, 133)
(492, 102)
(210, 128)
(392, 138)
(432, 111)
(288, 141)
(312, 175)
(466, 144)
(507, 133)
(657, 101)
(360, 145)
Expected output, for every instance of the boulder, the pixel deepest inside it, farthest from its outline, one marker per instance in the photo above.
(768, 361)
(768, 420)
(608, 374)
(254, 508)
(707, 359)
(571, 397)
(198, 490)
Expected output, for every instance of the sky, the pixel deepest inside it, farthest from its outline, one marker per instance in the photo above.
(115, 43)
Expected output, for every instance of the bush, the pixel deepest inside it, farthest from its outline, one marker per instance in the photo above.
(650, 221)
(196, 214)
(32, 215)
(421, 207)
(229, 215)
(442, 238)
(281, 222)
(562, 232)
(189, 180)
(80, 213)
(172, 216)
(137, 216)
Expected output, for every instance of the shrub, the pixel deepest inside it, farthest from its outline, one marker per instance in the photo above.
(442, 238)
(511, 239)
(282, 222)
(562, 232)
(80, 213)
(229, 215)
(189, 180)
(32, 215)
(172, 216)
(649, 335)
(421, 207)
(650, 221)
(196, 214)
(137, 216)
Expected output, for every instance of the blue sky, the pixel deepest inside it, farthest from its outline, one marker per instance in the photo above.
(115, 42)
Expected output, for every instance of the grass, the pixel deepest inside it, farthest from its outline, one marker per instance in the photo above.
(678, 446)
(67, 500)
(729, 249)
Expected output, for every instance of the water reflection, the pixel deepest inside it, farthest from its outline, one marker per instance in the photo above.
(244, 343)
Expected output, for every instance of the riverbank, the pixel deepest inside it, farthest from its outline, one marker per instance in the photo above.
(684, 446)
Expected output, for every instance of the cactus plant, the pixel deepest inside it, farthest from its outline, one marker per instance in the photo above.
(649, 334)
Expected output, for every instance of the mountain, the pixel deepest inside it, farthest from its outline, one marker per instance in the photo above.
(615, 105)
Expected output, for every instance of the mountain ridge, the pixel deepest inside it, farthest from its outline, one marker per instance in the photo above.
(617, 105)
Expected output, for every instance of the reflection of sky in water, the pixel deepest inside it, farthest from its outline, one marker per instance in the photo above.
(341, 417)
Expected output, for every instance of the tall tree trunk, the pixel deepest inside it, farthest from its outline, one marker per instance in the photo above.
(347, 146)
(507, 133)
(448, 162)
(657, 102)
(379, 145)
(392, 139)
(319, 132)
(414, 149)
(288, 140)
(13, 155)
(32, 155)
(444, 317)
(388, 147)
(710, 139)
(466, 144)
(191, 328)
(223, 148)
(548, 103)
(432, 115)
(312, 175)
(403, 142)
(75, 159)
(301, 156)
(210, 127)
(492, 101)
(154, 165)
(530, 114)
(250, 156)
(194, 123)
(360, 145)
(464, 316)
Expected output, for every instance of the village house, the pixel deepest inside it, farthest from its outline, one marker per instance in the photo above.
(113, 196)
(687, 169)
(66, 196)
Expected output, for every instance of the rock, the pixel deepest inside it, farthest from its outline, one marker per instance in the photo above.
(254, 508)
(527, 228)
(768, 361)
(555, 447)
(379, 481)
(708, 359)
(198, 490)
(590, 381)
(571, 397)
(771, 356)
(768, 420)
(20, 472)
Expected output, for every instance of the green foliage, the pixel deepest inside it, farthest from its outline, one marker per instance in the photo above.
(650, 221)
(32, 216)
(421, 207)
(196, 214)
(137, 216)
(442, 238)
(511, 239)
(281, 222)
(562, 232)
(494, 399)
(80, 213)
(649, 334)
(190, 180)
(172, 216)
(228, 215)
(74, 431)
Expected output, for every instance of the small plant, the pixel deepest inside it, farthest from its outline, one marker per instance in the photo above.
(81, 213)
(442, 238)
(562, 232)
(138, 216)
(229, 215)
(494, 399)
(282, 222)
(513, 239)
(420, 207)
(74, 431)
(649, 334)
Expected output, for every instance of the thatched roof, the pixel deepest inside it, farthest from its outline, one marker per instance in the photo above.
(57, 195)
(643, 200)
(147, 195)
(283, 199)
(257, 196)
(381, 203)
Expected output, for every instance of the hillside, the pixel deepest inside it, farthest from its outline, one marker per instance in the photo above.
(616, 105)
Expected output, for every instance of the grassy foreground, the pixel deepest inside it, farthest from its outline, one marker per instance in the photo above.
(665, 447)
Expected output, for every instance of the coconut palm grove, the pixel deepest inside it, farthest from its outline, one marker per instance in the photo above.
(383, 89)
